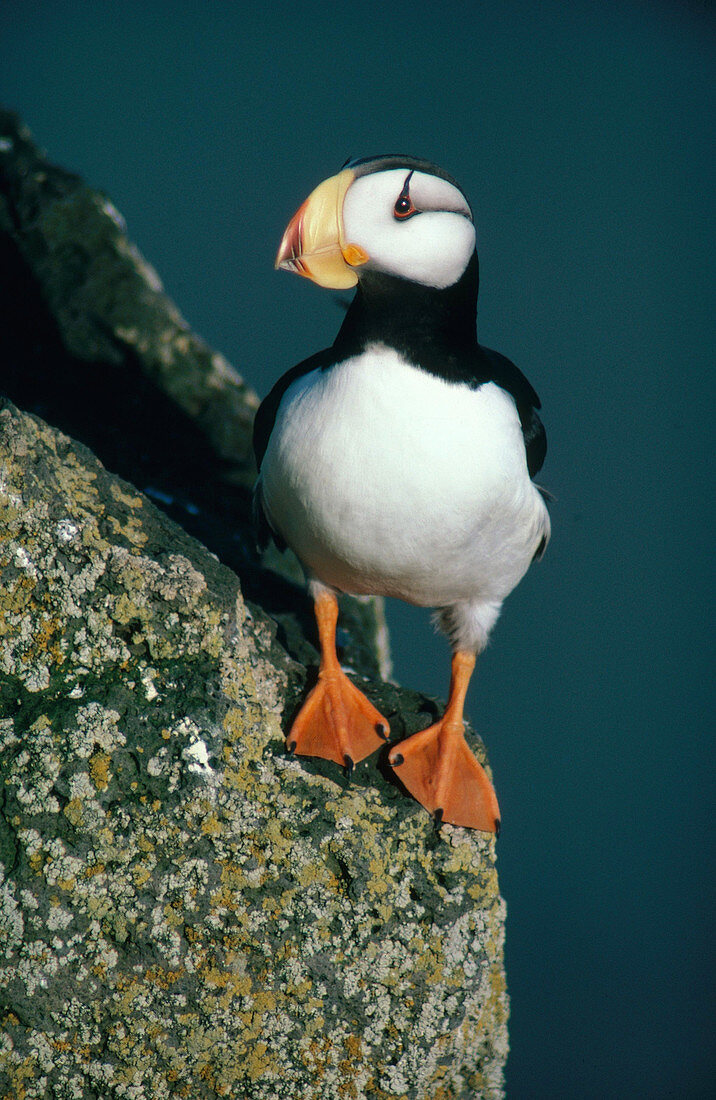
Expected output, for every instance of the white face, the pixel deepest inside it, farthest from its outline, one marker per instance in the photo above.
(431, 245)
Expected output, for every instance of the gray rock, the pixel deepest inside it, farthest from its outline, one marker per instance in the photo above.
(102, 303)
(184, 910)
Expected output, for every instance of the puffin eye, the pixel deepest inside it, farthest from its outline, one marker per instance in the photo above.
(404, 207)
(404, 204)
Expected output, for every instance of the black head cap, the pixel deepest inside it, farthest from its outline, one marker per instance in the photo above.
(383, 162)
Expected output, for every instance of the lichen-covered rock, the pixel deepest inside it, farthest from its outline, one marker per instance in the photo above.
(185, 911)
(93, 345)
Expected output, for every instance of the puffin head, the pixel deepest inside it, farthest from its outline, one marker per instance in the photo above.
(392, 214)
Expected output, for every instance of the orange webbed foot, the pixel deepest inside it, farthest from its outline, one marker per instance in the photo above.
(438, 768)
(440, 771)
(337, 722)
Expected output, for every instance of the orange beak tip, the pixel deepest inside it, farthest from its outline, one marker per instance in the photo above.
(313, 246)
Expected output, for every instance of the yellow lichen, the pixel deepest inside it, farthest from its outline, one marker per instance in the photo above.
(141, 875)
(74, 812)
(99, 770)
(122, 497)
(211, 826)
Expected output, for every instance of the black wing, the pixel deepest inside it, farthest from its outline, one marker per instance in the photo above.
(266, 415)
(499, 369)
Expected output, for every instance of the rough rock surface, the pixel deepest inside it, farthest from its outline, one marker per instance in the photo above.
(88, 319)
(185, 911)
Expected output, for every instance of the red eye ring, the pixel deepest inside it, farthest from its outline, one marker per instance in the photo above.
(404, 204)
(404, 207)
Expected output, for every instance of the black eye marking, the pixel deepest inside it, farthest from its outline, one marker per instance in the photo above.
(404, 204)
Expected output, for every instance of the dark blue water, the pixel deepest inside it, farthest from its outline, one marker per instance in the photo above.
(580, 133)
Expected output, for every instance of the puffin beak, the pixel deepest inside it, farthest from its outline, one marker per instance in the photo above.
(314, 243)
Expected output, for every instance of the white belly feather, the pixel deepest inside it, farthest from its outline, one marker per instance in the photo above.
(384, 479)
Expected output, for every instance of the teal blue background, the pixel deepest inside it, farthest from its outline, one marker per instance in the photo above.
(580, 132)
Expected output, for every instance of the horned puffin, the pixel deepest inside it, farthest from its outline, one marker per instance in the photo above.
(399, 461)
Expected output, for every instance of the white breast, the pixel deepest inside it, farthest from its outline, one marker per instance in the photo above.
(384, 479)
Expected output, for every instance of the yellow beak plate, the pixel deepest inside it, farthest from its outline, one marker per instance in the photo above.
(314, 243)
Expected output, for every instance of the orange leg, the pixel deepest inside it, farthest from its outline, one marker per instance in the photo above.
(440, 771)
(336, 721)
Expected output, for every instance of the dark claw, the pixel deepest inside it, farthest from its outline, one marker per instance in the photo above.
(498, 824)
(438, 819)
(291, 748)
(349, 765)
(396, 761)
(380, 730)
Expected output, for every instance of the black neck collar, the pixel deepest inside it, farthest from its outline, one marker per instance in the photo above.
(434, 329)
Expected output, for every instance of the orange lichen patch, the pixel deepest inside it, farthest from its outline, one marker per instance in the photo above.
(233, 876)
(441, 1093)
(131, 528)
(25, 1071)
(16, 598)
(37, 861)
(354, 1046)
(158, 976)
(272, 906)
(239, 984)
(156, 1031)
(206, 1073)
(99, 770)
(235, 778)
(258, 1061)
(44, 631)
(211, 825)
(346, 1069)
(120, 495)
(316, 1057)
